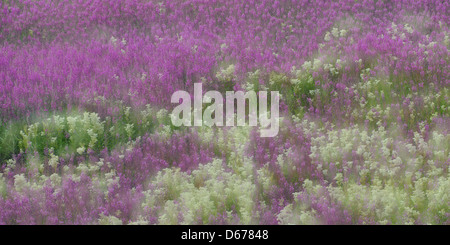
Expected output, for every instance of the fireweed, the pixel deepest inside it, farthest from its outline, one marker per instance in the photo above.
(86, 130)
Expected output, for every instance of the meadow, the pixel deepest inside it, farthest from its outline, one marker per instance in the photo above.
(86, 135)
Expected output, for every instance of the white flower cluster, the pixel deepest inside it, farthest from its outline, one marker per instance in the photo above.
(109, 220)
(84, 130)
(336, 33)
(53, 161)
(147, 115)
(226, 74)
(294, 215)
(389, 165)
(200, 194)
(90, 123)
(20, 182)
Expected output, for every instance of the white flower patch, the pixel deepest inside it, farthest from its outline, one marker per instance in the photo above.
(54, 160)
(200, 194)
(20, 183)
(226, 74)
(109, 220)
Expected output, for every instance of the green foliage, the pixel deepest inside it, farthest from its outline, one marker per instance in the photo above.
(77, 132)
(294, 92)
(9, 140)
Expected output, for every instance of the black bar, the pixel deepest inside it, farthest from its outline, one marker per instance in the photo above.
(210, 234)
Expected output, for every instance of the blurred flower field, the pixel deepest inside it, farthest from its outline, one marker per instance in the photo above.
(86, 135)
